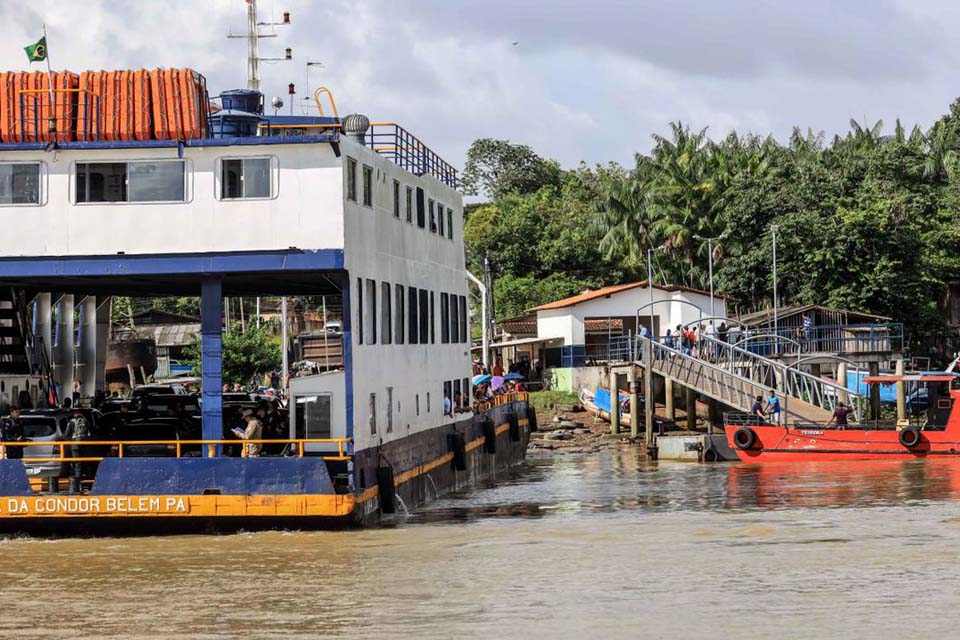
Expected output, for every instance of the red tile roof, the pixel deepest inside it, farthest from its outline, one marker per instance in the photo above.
(606, 291)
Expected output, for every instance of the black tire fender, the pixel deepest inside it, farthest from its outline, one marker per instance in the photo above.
(910, 437)
(387, 489)
(744, 438)
(489, 435)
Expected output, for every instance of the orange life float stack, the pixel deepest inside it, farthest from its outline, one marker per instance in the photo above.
(159, 104)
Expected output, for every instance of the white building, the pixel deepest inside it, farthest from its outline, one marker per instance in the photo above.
(576, 320)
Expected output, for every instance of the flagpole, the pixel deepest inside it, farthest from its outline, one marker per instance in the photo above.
(52, 122)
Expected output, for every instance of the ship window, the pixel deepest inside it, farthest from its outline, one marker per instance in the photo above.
(359, 310)
(313, 416)
(386, 314)
(444, 318)
(433, 218)
(463, 319)
(410, 204)
(450, 224)
(398, 314)
(424, 318)
(421, 210)
(396, 199)
(19, 183)
(418, 404)
(371, 315)
(428, 402)
(351, 179)
(443, 231)
(373, 414)
(367, 186)
(465, 385)
(448, 398)
(412, 320)
(142, 181)
(433, 328)
(456, 394)
(454, 321)
(242, 178)
(389, 409)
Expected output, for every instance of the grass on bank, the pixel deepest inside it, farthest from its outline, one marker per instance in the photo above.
(548, 399)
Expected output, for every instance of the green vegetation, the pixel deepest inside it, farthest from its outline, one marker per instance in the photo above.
(247, 356)
(547, 399)
(867, 221)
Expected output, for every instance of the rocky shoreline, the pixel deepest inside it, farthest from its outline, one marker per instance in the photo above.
(570, 429)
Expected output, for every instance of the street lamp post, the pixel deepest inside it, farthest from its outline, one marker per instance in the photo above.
(773, 233)
(710, 241)
(650, 283)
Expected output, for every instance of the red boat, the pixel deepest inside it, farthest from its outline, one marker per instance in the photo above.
(937, 433)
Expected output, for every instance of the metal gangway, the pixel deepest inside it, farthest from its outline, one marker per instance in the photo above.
(735, 377)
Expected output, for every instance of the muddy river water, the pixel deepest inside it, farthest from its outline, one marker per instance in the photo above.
(573, 546)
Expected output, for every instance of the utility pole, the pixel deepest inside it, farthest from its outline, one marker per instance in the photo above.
(773, 233)
(488, 283)
(710, 241)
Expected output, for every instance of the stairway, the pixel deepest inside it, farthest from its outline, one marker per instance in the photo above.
(14, 354)
(735, 377)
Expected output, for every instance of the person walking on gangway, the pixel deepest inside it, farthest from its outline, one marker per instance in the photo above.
(773, 407)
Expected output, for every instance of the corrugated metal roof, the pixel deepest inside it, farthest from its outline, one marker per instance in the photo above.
(170, 335)
(613, 289)
(766, 315)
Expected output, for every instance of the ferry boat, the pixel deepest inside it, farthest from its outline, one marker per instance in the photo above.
(935, 434)
(164, 198)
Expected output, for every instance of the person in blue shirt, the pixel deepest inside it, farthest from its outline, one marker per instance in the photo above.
(773, 407)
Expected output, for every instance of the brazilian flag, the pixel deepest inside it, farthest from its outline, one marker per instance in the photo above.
(37, 52)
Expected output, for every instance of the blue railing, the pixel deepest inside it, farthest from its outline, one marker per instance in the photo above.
(850, 338)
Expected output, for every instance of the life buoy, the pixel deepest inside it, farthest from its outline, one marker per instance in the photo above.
(489, 436)
(458, 448)
(744, 438)
(387, 489)
(910, 437)
(514, 423)
(532, 419)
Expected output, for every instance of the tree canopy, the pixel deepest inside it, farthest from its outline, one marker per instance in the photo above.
(867, 221)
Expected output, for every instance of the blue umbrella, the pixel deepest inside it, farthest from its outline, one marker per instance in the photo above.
(513, 376)
(480, 379)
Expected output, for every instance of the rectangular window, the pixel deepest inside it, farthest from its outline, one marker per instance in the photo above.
(351, 179)
(463, 320)
(433, 315)
(447, 396)
(141, 181)
(398, 314)
(433, 217)
(242, 178)
(454, 320)
(424, 317)
(313, 416)
(421, 212)
(444, 318)
(413, 323)
(410, 204)
(373, 414)
(418, 404)
(450, 224)
(367, 186)
(386, 314)
(371, 315)
(360, 319)
(465, 385)
(20, 183)
(456, 399)
(428, 402)
(396, 199)
(389, 409)
(443, 229)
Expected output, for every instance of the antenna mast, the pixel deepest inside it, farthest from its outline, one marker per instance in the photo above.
(253, 36)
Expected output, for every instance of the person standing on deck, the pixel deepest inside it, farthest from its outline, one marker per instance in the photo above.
(773, 407)
(13, 432)
(498, 369)
(839, 417)
(254, 431)
(757, 410)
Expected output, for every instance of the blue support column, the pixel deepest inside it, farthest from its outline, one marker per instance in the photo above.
(211, 358)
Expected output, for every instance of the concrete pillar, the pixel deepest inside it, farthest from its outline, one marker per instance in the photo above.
(104, 311)
(691, 406)
(901, 392)
(211, 359)
(87, 360)
(873, 368)
(648, 398)
(634, 402)
(65, 351)
(668, 399)
(842, 381)
(716, 418)
(614, 405)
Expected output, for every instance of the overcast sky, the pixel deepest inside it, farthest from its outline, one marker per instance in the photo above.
(585, 80)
